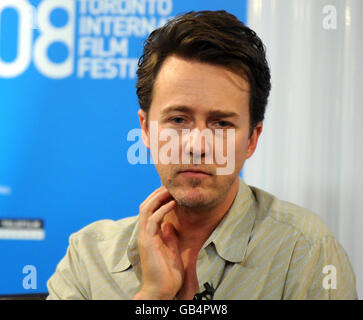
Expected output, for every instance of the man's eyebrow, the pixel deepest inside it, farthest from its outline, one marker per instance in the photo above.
(176, 108)
(211, 114)
(223, 114)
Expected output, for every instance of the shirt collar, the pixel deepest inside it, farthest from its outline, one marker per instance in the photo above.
(233, 233)
(230, 238)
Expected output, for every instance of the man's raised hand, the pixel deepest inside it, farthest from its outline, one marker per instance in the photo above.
(161, 263)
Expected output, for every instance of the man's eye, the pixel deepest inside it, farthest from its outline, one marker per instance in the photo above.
(178, 120)
(224, 124)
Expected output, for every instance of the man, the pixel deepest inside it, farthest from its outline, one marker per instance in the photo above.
(204, 234)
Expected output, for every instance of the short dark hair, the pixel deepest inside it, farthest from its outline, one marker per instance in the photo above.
(214, 37)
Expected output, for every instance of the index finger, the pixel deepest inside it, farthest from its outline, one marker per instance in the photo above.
(158, 190)
(151, 204)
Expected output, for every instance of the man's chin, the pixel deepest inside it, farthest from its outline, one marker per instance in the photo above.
(193, 203)
(193, 197)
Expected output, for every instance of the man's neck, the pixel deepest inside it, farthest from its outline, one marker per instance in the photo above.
(194, 227)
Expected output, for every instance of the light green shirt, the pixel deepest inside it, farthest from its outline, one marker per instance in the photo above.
(263, 248)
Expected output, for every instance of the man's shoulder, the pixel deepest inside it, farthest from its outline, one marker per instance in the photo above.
(107, 229)
(295, 217)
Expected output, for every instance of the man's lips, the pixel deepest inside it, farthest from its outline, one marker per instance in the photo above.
(194, 171)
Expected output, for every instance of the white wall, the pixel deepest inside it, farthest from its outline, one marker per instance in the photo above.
(311, 148)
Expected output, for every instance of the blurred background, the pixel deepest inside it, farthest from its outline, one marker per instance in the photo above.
(68, 108)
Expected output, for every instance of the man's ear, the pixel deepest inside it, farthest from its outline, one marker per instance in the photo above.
(144, 128)
(252, 141)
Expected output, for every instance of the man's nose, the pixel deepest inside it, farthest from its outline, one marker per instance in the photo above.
(198, 142)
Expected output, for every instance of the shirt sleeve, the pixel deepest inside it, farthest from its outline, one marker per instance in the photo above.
(320, 271)
(66, 282)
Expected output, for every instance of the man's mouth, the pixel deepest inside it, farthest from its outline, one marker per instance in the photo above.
(194, 172)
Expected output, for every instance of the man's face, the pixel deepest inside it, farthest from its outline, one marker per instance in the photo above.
(191, 96)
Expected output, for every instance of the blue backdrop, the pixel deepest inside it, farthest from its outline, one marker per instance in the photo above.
(67, 104)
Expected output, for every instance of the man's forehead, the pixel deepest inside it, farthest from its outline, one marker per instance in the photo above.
(191, 86)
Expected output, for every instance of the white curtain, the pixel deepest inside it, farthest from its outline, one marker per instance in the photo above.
(310, 152)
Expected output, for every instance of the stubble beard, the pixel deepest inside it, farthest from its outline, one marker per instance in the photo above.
(196, 196)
